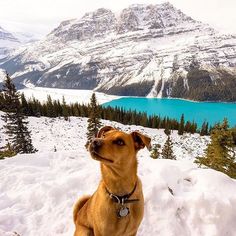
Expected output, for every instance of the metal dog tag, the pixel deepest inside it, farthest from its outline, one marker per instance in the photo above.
(124, 211)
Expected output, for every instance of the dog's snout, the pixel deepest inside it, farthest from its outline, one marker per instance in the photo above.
(96, 143)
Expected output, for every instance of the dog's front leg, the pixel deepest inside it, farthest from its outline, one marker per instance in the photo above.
(83, 231)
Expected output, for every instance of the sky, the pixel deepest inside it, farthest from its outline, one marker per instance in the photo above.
(39, 17)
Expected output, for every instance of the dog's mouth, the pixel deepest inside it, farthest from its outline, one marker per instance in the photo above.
(97, 157)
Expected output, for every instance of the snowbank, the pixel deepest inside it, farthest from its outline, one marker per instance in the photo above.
(37, 191)
(202, 203)
(71, 95)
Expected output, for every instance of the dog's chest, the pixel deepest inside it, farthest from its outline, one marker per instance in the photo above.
(114, 219)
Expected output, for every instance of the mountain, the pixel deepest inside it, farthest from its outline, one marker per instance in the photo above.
(7, 42)
(25, 37)
(145, 50)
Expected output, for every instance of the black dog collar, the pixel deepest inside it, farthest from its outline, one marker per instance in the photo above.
(123, 199)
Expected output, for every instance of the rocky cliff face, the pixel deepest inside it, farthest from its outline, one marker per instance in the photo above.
(145, 50)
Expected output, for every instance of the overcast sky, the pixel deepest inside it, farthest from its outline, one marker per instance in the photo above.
(41, 16)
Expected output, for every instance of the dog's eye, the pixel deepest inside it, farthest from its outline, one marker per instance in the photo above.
(119, 142)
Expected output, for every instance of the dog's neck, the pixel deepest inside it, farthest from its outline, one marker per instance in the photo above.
(119, 181)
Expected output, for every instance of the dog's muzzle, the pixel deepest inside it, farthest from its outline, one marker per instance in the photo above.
(96, 144)
(94, 149)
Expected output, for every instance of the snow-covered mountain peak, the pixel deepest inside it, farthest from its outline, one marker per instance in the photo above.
(100, 12)
(91, 25)
(143, 46)
(159, 17)
(136, 17)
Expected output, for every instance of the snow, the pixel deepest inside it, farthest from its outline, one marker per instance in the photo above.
(37, 191)
(71, 95)
(25, 37)
(150, 72)
(202, 204)
(9, 43)
(2, 75)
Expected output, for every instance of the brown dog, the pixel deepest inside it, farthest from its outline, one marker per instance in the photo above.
(116, 208)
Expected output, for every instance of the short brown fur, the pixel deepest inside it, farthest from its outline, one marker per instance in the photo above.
(97, 215)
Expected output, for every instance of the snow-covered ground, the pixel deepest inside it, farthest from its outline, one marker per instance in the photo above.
(37, 191)
(71, 95)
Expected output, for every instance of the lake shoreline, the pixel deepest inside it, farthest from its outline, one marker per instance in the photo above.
(199, 112)
(82, 96)
(184, 99)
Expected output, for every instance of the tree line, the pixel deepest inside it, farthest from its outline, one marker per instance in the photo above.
(55, 108)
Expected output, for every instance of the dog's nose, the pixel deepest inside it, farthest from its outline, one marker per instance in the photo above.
(96, 143)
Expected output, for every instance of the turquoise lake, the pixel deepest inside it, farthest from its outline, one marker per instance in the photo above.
(199, 112)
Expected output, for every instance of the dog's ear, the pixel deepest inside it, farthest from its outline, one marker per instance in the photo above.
(140, 140)
(103, 130)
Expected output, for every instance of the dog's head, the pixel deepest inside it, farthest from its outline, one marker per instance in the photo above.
(113, 147)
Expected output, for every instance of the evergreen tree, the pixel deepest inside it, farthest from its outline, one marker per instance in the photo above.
(204, 129)
(233, 130)
(193, 128)
(155, 153)
(144, 120)
(10, 96)
(94, 123)
(2, 101)
(65, 112)
(187, 127)
(24, 105)
(50, 108)
(167, 151)
(167, 130)
(220, 154)
(181, 126)
(15, 122)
